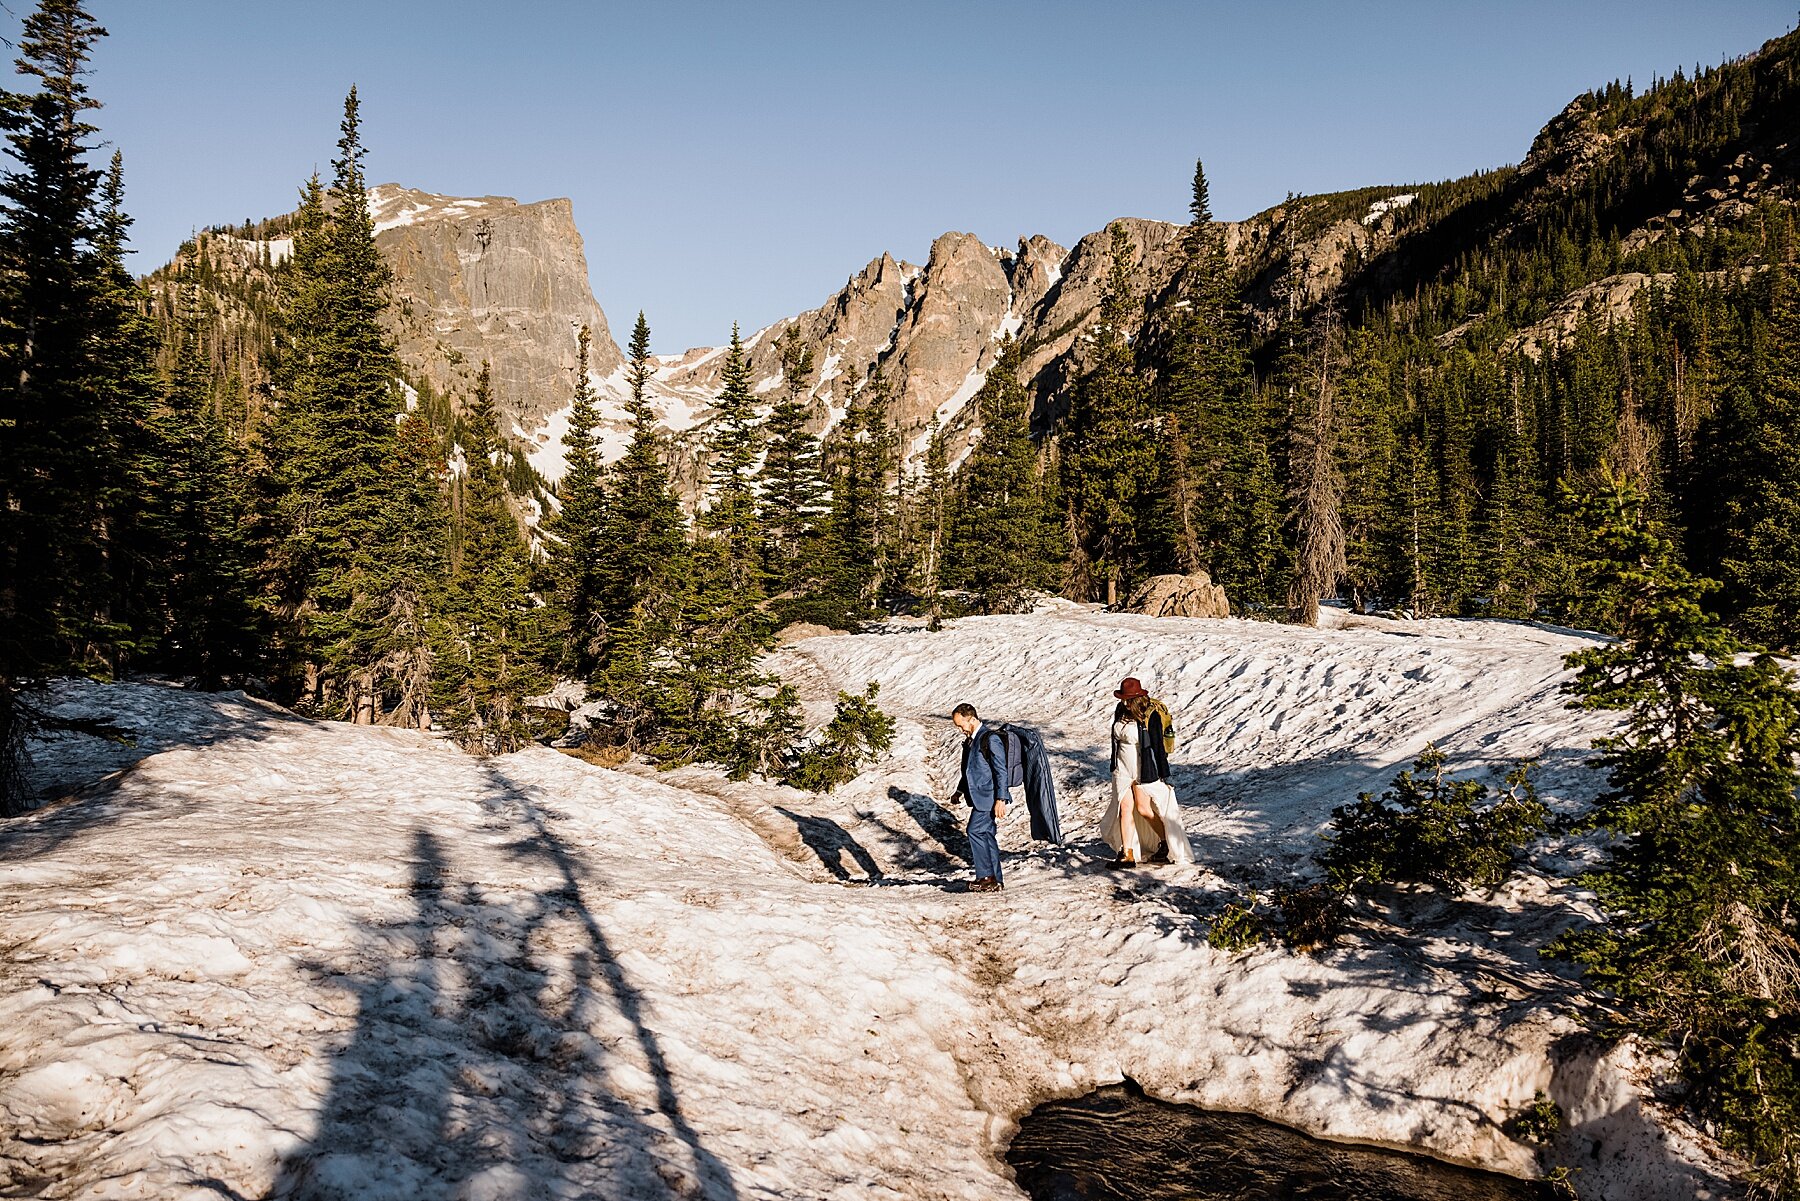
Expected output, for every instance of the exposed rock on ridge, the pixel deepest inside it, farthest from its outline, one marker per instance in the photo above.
(491, 278)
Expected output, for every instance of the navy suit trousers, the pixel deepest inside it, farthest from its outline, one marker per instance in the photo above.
(984, 847)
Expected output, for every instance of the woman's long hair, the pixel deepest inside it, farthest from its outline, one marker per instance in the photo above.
(1139, 708)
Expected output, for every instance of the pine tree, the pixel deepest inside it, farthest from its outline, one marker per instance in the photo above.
(488, 652)
(793, 497)
(1203, 379)
(1512, 529)
(681, 674)
(1703, 879)
(643, 536)
(734, 443)
(125, 378)
(575, 536)
(933, 521)
(60, 467)
(861, 529)
(334, 445)
(199, 524)
(1109, 456)
(1372, 506)
(1762, 567)
(76, 389)
(999, 545)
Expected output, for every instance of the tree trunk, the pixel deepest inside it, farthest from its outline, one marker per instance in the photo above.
(362, 700)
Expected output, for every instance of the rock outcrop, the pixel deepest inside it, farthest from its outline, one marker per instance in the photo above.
(1192, 595)
(490, 278)
(933, 330)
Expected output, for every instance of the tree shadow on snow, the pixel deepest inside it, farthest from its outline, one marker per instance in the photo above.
(486, 1044)
(934, 820)
(1261, 825)
(79, 773)
(831, 842)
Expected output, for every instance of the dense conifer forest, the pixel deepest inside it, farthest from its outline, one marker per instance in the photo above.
(230, 480)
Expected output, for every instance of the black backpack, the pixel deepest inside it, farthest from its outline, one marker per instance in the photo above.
(1012, 740)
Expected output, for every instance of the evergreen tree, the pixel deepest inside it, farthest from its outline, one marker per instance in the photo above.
(1203, 385)
(1109, 456)
(1000, 541)
(1703, 879)
(400, 582)
(643, 536)
(1762, 566)
(1513, 529)
(60, 465)
(734, 443)
(576, 536)
(200, 518)
(793, 497)
(333, 450)
(932, 521)
(681, 674)
(1373, 513)
(488, 652)
(125, 378)
(76, 389)
(861, 529)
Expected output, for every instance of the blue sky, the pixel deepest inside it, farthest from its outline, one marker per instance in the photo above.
(738, 161)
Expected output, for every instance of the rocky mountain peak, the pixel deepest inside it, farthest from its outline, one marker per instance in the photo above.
(489, 278)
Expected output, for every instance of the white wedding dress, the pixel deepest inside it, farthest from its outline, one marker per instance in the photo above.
(1138, 840)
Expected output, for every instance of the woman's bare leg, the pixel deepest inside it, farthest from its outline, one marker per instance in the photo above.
(1147, 808)
(1129, 850)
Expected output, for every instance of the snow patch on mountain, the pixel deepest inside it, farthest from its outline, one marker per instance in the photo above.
(1381, 208)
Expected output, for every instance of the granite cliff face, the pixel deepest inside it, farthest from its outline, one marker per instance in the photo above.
(490, 278)
(935, 331)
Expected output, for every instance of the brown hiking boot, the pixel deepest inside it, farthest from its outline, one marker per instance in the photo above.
(985, 884)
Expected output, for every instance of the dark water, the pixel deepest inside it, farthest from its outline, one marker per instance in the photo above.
(1119, 1145)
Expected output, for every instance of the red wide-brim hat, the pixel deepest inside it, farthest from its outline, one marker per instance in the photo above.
(1129, 687)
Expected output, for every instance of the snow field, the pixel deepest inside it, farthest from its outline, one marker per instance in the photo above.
(283, 958)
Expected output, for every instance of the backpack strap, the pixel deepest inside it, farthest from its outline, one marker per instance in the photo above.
(1168, 725)
(1002, 776)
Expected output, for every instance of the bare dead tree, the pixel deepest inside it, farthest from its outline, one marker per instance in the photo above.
(1318, 490)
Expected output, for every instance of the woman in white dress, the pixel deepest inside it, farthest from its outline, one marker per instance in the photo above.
(1144, 818)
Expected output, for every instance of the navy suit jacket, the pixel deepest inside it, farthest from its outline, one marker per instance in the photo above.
(980, 783)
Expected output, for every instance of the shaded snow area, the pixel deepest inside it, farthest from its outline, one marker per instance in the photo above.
(275, 957)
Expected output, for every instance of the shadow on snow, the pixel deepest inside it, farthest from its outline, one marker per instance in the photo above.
(498, 1046)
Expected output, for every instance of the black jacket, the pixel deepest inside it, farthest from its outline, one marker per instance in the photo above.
(1153, 760)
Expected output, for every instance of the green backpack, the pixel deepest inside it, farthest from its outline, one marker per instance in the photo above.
(1168, 725)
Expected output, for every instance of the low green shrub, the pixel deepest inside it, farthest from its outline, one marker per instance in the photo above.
(1311, 917)
(1426, 829)
(1237, 928)
(1538, 1122)
(858, 734)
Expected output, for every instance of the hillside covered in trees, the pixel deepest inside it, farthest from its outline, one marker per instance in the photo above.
(1566, 391)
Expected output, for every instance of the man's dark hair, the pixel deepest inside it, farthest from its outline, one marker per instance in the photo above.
(965, 710)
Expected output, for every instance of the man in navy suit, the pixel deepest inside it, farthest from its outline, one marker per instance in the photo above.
(984, 784)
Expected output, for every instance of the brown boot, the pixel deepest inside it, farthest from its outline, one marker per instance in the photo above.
(985, 884)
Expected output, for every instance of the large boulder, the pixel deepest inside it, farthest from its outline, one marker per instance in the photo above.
(800, 631)
(1179, 596)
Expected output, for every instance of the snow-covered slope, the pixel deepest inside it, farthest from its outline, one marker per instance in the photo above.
(286, 958)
